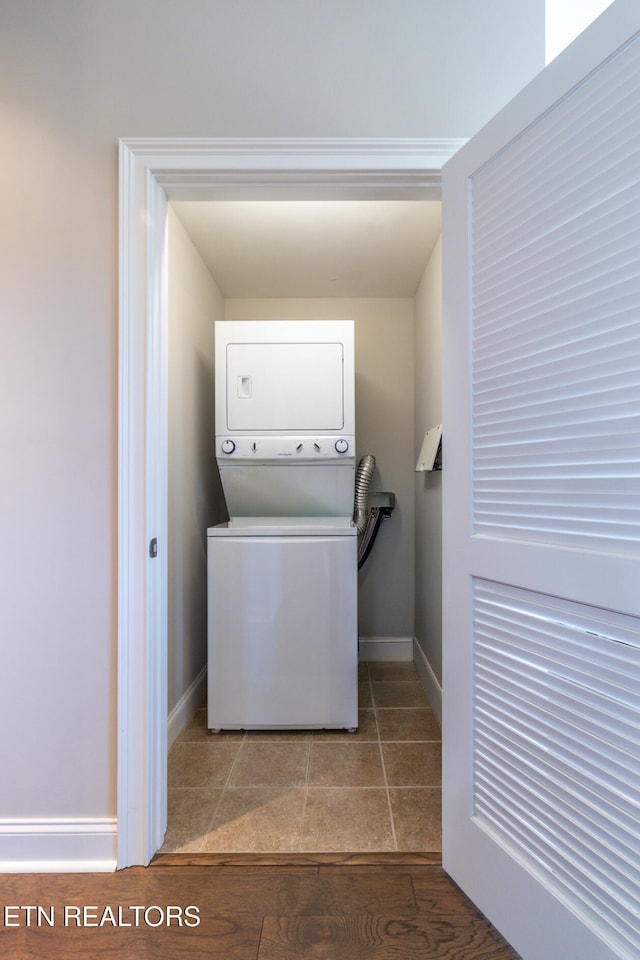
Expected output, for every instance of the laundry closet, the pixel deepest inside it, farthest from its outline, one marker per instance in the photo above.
(397, 385)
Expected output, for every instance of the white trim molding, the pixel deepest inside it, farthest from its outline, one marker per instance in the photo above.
(58, 846)
(430, 682)
(187, 705)
(205, 169)
(386, 648)
(152, 172)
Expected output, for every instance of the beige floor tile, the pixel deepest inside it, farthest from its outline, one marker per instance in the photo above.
(256, 820)
(345, 765)
(367, 730)
(273, 791)
(399, 694)
(412, 764)
(417, 816)
(393, 670)
(266, 764)
(201, 764)
(407, 723)
(190, 811)
(278, 736)
(346, 820)
(364, 695)
(197, 731)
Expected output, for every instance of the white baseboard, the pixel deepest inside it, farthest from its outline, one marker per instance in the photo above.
(430, 682)
(386, 648)
(187, 706)
(58, 846)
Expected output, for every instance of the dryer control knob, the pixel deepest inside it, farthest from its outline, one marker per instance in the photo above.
(228, 446)
(341, 445)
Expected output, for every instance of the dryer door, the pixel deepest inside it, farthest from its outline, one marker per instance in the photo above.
(285, 387)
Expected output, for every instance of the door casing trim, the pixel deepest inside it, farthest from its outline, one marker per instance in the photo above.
(154, 172)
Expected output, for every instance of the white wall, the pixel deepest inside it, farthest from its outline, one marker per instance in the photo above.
(384, 427)
(565, 19)
(195, 498)
(74, 77)
(428, 486)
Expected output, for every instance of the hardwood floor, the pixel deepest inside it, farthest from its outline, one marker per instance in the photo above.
(320, 909)
(286, 904)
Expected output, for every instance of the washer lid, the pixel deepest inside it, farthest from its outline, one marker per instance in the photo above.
(285, 526)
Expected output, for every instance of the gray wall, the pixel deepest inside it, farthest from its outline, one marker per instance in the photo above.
(195, 499)
(74, 77)
(428, 485)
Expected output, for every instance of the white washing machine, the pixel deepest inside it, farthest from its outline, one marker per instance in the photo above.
(282, 573)
(283, 646)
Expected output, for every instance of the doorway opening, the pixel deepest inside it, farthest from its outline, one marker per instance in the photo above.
(152, 174)
(280, 792)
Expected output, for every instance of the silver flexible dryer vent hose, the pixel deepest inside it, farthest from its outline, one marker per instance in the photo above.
(364, 473)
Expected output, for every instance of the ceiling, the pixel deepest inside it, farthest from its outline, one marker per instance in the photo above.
(313, 248)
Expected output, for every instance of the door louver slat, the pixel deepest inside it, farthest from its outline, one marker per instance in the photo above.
(557, 746)
(555, 254)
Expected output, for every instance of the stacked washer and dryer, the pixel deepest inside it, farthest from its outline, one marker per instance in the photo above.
(282, 572)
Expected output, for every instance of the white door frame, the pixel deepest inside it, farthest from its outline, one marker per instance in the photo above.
(153, 172)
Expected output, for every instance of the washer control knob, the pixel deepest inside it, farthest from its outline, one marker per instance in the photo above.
(341, 445)
(228, 446)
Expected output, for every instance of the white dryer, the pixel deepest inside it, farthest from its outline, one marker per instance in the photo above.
(282, 573)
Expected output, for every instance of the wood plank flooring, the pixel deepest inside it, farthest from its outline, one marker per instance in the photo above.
(367, 902)
(363, 910)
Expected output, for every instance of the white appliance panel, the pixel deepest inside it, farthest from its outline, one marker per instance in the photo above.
(296, 448)
(283, 638)
(284, 377)
(281, 387)
(288, 489)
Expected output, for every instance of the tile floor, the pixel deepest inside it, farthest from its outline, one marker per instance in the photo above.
(316, 791)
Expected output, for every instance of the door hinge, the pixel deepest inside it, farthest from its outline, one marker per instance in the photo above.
(153, 547)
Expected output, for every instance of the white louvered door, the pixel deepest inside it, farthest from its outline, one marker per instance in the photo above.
(541, 481)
